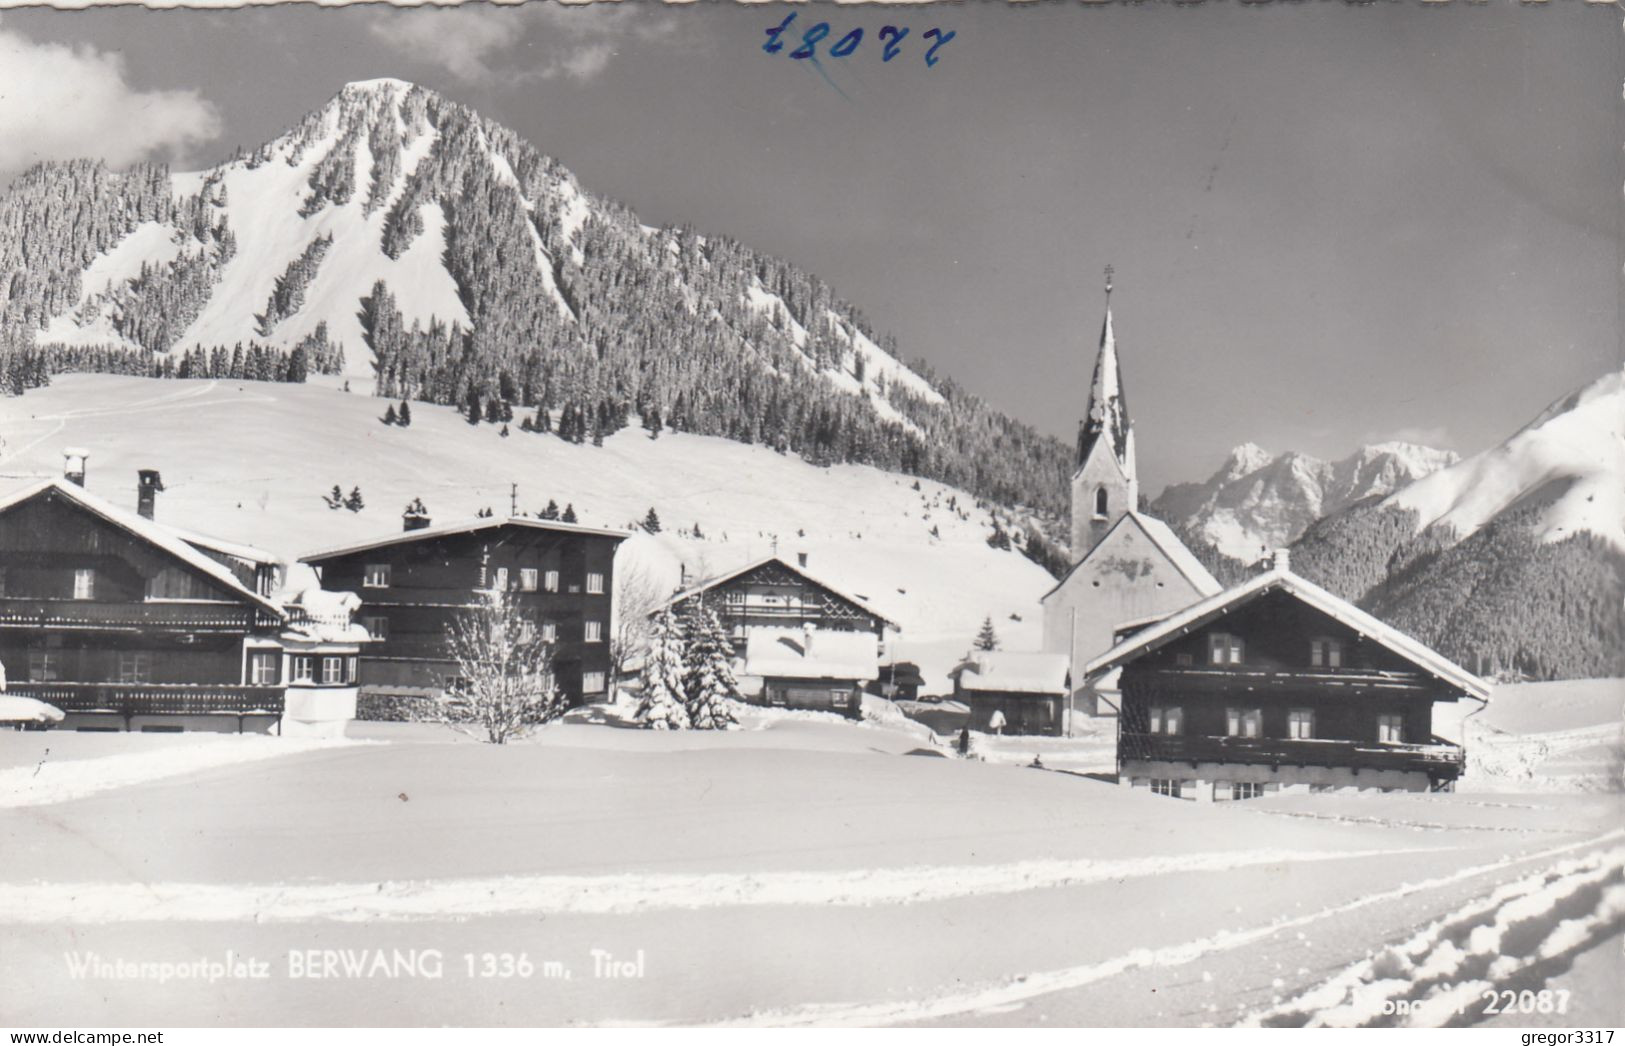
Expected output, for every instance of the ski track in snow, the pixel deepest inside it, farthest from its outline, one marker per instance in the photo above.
(995, 997)
(1495, 941)
(104, 903)
(63, 780)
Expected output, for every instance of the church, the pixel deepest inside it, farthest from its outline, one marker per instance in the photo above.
(1128, 568)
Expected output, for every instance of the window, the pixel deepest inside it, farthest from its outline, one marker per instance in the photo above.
(175, 583)
(44, 666)
(303, 667)
(352, 668)
(1244, 722)
(595, 584)
(377, 627)
(527, 631)
(332, 670)
(1223, 649)
(550, 632)
(84, 584)
(262, 667)
(499, 582)
(134, 666)
(1246, 789)
(1167, 719)
(550, 581)
(527, 579)
(1300, 724)
(1102, 502)
(1165, 786)
(1391, 729)
(1325, 653)
(594, 632)
(376, 575)
(592, 682)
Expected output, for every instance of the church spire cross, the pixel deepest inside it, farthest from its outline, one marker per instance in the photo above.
(1109, 273)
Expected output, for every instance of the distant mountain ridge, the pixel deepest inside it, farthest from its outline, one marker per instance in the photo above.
(1511, 561)
(1257, 501)
(400, 238)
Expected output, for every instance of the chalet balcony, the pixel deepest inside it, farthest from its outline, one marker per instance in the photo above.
(133, 699)
(1436, 760)
(1200, 679)
(90, 615)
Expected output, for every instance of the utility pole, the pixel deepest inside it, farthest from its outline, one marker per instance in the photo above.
(1072, 657)
(513, 500)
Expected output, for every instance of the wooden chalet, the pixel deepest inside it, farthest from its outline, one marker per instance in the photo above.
(413, 584)
(774, 594)
(126, 624)
(1027, 690)
(1278, 684)
(820, 669)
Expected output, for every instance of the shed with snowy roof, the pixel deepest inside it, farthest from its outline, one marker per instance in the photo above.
(1026, 689)
(813, 668)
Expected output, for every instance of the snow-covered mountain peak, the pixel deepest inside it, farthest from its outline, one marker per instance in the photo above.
(1570, 460)
(1257, 501)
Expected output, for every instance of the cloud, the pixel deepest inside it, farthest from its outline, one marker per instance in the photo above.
(1437, 436)
(483, 43)
(59, 102)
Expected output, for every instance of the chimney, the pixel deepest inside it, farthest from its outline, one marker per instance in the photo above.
(73, 464)
(149, 485)
(801, 560)
(416, 516)
(1282, 559)
(682, 575)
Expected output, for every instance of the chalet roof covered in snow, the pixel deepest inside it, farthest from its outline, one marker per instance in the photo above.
(1282, 579)
(1013, 671)
(234, 549)
(1167, 542)
(720, 579)
(465, 527)
(794, 653)
(157, 534)
(1108, 417)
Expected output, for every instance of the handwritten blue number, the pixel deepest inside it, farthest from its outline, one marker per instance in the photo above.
(847, 44)
(774, 45)
(931, 55)
(809, 40)
(895, 44)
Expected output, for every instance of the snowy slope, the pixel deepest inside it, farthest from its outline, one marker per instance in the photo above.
(1257, 501)
(249, 461)
(1571, 459)
(263, 197)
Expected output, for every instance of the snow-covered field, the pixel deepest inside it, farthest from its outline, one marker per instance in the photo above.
(249, 461)
(803, 870)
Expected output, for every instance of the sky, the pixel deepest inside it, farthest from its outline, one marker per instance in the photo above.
(1330, 224)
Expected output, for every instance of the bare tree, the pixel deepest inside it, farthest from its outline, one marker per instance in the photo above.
(637, 594)
(504, 686)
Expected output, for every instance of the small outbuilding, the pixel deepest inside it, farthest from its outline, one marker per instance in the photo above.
(1027, 690)
(820, 669)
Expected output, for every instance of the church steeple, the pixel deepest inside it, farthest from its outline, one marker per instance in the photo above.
(1105, 484)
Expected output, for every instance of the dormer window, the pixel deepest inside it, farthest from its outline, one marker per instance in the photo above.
(1102, 502)
(1224, 649)
(1325, 653)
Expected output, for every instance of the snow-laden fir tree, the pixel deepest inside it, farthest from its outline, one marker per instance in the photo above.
(661, 707)
(709, 685)
(987, 639)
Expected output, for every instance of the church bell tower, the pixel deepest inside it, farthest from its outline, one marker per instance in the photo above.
(1104, 483)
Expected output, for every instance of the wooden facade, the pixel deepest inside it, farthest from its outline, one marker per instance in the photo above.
(772, 593)
(414, 585)
(1280, 684)
(113, 620)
